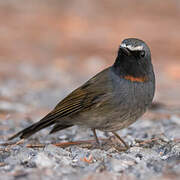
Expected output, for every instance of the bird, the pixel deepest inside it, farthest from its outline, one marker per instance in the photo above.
(111, 100)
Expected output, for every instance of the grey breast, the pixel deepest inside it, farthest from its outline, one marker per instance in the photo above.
(130, 101)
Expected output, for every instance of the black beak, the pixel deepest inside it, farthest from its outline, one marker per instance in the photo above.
(124, 51)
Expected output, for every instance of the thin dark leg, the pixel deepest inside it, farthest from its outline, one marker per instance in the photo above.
(95, 135)
(126, 145)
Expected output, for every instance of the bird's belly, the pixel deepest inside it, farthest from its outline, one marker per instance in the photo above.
(121, 120)
(112, 121)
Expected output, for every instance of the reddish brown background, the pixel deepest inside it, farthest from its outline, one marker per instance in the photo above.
(81, 37)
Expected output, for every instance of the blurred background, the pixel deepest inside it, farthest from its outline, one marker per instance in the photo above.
(50, 47)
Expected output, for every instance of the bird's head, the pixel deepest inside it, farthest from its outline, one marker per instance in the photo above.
(133, 59)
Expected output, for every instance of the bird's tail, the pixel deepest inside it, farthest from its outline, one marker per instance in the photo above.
(27, 132)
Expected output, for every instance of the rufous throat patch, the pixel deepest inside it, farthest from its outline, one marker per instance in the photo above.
(135, 79)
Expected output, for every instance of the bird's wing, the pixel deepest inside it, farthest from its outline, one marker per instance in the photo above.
(79, 100)
(82, 98)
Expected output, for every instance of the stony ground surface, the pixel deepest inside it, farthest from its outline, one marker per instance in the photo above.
(154, 139)
(154, 152)
(49, 48)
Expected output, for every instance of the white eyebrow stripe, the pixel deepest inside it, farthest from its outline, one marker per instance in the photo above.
(132, 48)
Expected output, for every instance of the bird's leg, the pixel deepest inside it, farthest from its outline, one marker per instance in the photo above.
(117, 136)
(95, 135)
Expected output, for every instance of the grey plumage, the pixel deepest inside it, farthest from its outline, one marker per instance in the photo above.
(111, 100)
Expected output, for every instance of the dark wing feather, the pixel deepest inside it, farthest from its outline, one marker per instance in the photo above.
(79, 100)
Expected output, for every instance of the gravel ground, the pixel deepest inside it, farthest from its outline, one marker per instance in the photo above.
(154, 152)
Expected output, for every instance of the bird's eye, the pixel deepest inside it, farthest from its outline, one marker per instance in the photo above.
(142, 53)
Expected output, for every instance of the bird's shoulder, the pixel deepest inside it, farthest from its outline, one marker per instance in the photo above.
(87, 95)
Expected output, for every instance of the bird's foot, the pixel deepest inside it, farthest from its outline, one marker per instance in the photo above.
(126, 146)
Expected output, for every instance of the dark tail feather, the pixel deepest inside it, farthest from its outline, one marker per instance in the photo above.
(27, 132)
(59, 127)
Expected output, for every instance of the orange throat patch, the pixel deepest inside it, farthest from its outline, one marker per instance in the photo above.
(135, 79)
